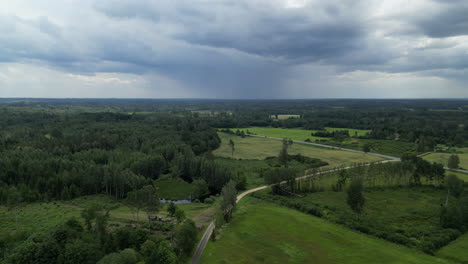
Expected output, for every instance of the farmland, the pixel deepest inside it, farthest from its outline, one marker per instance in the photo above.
(297, 134)
(443, 158)
(261, 148)
(254, 236)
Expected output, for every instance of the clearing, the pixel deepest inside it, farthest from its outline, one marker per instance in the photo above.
(261, 148)
(443, 158)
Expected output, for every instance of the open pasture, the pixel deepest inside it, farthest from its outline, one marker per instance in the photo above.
(254, 236)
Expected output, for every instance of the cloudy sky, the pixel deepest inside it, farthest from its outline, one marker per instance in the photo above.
(234, 48)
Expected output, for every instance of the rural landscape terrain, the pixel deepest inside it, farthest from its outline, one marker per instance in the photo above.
(232, 181)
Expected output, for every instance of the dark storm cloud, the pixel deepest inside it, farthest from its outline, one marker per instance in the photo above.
(451, 19)
(242, 48)
(309, 33)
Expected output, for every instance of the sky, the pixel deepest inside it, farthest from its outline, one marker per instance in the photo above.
(234, 49)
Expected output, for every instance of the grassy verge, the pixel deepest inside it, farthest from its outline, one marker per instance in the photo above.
(265, 233)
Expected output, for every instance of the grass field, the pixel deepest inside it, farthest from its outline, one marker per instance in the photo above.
(388, 147)
(283, 117)
(254, 236)
(36, 217)
(456, 251)
(296, 134)
(260, 148)
(252, 169)
(408, 216)
(443, 158)
(462, 176)
(174, 189)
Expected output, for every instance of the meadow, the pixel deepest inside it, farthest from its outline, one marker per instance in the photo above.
(456, 251)
(407, 216)
(297, 134)
(443, 158)
(254, 237)
(39, 217)
(388, 147)
(173, 189)
(284, 117)
(261, 148)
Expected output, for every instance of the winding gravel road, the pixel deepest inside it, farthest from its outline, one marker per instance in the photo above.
(206, 236)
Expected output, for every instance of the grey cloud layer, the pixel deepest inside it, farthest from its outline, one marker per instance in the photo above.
(242, 48)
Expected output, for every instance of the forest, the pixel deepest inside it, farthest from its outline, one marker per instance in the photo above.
(57, 153)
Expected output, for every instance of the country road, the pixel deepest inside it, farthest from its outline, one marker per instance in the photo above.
(206, 236)
(202, 244)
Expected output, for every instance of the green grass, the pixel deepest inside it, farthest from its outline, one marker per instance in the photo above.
(283, 117)
(408, 216)
(174, 189)
(443, 158)
(296, 134)
(37, 217)
(462, 176)
(389, 147)
(252, 169)
(260, 148)
(261, 232)
(456, 251)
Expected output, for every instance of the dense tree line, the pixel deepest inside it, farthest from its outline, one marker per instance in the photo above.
(46, 156)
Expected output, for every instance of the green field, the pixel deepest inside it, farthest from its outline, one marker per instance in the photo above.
(408, 216)
(261, 148)
(283, 117)
(456, 251)
(36, 217)
(174, 189)
(462, 176)
(254, 237)
(443, 158)
(296, 134)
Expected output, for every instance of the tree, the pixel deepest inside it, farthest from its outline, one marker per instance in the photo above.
(283, 155)
(228, 200)
(81, 252)
(455, 186)
(150, 199)
(355, 197)
(453, 161)
(366, 148)
(171, 208)
(276, 176)
(200, 189)
(89, 214)
(231, 144)
(135, 202)
(179, 215)
(163, 254)
(241, 181)
(186, 237)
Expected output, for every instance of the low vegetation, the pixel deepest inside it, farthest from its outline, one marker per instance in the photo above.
(444, 158)
(262, 232)
(261, 148)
